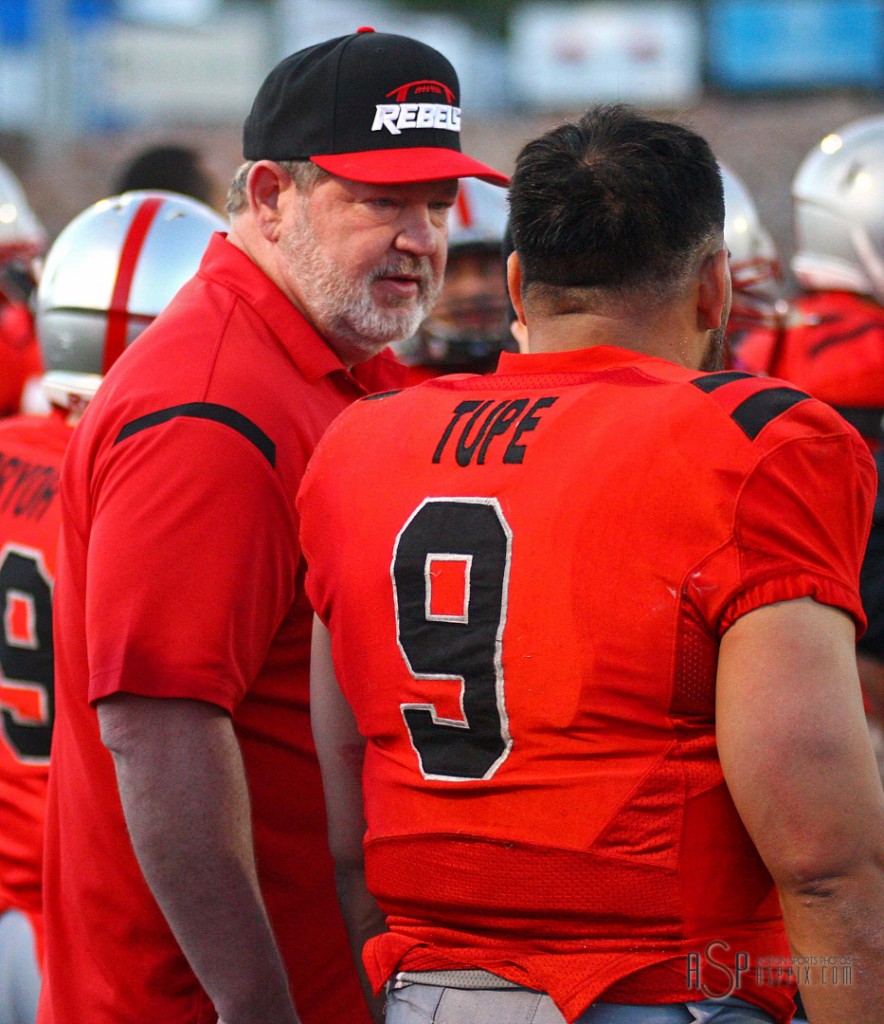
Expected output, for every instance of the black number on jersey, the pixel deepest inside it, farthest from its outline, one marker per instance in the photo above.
(26, 660)
(460, 638)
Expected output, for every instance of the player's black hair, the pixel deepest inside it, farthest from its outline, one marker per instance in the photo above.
(172, 168)
(614, 201)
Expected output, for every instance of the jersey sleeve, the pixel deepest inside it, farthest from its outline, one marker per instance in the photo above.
(191, 563)
(801, 524)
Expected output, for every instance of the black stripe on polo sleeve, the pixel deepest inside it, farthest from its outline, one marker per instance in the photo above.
(205, 411)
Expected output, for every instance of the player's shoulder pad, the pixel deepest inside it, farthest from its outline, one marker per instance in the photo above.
(753, 403)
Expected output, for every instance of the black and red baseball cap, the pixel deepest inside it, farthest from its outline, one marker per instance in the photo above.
(371, 107)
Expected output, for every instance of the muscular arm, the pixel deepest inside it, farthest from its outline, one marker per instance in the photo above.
(796, 755)
(184, 795)
(341, 750)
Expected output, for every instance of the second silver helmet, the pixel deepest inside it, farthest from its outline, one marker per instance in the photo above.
(838, 211)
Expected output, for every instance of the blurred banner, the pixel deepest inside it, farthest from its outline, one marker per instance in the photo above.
(51, 64)
(795, 44)
(567, 56)
(480, 60)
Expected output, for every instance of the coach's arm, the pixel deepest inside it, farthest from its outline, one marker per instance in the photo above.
(184, 795)
(796, 755)
(341, 751)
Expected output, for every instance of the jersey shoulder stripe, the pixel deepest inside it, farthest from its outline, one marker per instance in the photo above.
(710, 382)
(751, 406)
(205, 411)
(380, 395)
(754, 414)
(868, 420)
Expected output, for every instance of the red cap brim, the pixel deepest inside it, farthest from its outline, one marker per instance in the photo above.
(407, 166)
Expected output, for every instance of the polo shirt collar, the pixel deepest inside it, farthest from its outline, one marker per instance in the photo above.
(232, 268)
(579, 360)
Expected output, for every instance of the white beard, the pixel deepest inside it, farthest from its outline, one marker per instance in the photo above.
(344, 311)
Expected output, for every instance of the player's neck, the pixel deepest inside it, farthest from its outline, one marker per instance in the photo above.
(665, 336)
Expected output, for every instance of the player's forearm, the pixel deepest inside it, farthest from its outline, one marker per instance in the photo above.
(836, 930)
(364, 920)
(186, 803)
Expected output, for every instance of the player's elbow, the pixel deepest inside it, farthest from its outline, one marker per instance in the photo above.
(118, 727)
(829, 874)
(345, 846)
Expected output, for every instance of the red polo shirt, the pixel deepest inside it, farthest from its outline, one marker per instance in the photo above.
(180, 576)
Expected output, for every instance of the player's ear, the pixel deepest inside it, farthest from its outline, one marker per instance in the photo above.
(267, 183)
(514, 284)
(713, 294)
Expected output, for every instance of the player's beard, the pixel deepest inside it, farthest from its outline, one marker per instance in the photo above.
(713, 358)
(344, 311)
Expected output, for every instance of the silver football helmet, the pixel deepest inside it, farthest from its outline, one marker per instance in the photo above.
(107, 276)
(468, 326)
(754, 261)
(838, 211)
(22, 236)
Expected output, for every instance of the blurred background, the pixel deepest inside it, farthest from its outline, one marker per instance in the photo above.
(86, 84)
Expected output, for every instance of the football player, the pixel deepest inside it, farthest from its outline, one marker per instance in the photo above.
(756, 275)
(584, 692)
(467, 329)
(833, 343)
(22, 240)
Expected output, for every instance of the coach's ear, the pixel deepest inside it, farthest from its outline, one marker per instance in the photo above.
(714, 292)
(268, 185)
(514, 284)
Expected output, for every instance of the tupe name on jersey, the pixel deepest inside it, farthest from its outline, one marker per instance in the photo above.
(478, 429)
(397, 117)
(26, 488)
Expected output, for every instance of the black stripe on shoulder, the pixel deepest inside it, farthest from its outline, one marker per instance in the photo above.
(753, 415)
(711, 381)
(380, 394)
(205, 411)
(868, 421)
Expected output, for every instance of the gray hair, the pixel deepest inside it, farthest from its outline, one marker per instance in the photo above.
(306, 176)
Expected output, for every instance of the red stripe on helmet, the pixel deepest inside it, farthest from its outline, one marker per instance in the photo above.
(118, 314)
(464, 208)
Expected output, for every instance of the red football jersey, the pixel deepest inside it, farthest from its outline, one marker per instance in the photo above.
(19, 354)
(833, 348)
(31, 451)
(526, 577)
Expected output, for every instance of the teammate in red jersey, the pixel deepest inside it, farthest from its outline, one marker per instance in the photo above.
(31, 450)
(832, 342)
(75, 311)
(468, 326)
(188, 876)
(22, 239)
(593, 626)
